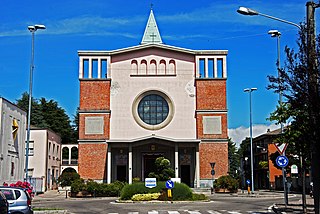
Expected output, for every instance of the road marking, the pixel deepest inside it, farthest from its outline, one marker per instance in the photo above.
(194, 212)
(233, 212)
(153, 212)
(213, 212)
(173, 212)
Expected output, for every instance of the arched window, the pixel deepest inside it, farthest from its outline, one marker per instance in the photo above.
(65, 155)
(134, 67)
(153, 67)
(172, 67)
(162, 67)
(74, 155)
(143, 67)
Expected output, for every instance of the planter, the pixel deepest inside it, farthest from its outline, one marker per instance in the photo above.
(224, 190)
(80, 194)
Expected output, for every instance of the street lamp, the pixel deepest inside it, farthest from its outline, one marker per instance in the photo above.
(276, 33)
(251, 12)
(32, 29)
(250, 90)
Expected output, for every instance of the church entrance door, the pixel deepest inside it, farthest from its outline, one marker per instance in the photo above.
(149, 163)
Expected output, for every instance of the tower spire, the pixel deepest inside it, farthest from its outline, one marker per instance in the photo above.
(151, 32)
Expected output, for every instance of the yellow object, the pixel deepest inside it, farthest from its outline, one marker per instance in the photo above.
(15, 127)
(248, 190)
(169, 193)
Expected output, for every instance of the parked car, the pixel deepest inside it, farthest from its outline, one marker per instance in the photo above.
(4, 205)
(19, 200)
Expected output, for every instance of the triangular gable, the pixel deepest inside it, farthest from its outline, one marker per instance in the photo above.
(151, 33)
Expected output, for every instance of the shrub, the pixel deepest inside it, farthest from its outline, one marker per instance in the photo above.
(97, 189)
(199, 197)
(226, 182)
(163, 171)
(78, 185)
(145, 197)
(179, 192)
(67, 178)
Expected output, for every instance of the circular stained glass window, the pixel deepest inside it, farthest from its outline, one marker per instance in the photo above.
(153, 109)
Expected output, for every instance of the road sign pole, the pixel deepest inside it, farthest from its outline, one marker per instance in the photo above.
(285, 192)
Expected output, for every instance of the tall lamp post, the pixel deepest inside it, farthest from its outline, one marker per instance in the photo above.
(276, 33)
(32, 29)
(250, 90)
(313, 91)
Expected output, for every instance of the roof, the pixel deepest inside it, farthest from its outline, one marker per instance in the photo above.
(151, 32)
(152, 45)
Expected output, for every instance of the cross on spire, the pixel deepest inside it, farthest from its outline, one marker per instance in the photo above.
(151, 32)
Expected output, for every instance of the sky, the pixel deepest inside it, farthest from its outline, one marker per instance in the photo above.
(112, 24)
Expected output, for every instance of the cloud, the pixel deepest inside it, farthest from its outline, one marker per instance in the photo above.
(237, 135)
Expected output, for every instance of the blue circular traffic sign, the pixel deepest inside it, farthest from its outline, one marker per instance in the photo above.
(282, 161)
(248, 181)
(169, 184)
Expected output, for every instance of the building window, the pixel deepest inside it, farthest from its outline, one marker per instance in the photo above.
(12, 168)
(153, 110)
(31, 148)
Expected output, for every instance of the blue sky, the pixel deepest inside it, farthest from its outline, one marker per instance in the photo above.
(107, 25)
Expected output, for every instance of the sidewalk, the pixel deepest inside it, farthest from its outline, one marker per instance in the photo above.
(295, 207)
(50, 195)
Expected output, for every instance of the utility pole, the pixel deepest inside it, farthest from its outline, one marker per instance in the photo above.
(313, 95)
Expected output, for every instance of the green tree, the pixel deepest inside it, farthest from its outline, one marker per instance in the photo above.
(48, 114)
(234, 159)
(67, 177)
(163, 171)
(294, 82)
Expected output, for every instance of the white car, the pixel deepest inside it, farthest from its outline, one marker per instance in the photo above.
(19, 200)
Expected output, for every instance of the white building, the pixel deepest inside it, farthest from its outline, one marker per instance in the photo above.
(12, 142)
(44, 158)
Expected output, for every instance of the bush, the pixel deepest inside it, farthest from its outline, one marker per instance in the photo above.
(226, 182)
(145, 197)
(179, 192)
(199, 197)
(67, 178)
(97, 189)
(78, 185)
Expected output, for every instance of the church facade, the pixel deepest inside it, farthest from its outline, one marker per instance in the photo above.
(151, 100)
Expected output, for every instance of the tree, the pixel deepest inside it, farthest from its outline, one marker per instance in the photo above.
(299, 103)
(234, 161)
(163, 171)
(48, 114)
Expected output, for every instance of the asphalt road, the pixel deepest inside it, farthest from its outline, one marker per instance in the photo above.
(219, 204)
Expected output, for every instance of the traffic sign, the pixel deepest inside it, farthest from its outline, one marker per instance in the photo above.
(294, 169)
(169, 184)
(281, 147)
(212, 165)
(213, 172)
(282, 161)
(248, 181)
(150, 182)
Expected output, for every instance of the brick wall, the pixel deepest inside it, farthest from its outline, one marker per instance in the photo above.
(106, 131)
(95, 94)
(92, 161)
(213, 152)
(211, 94)
(273, 171)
